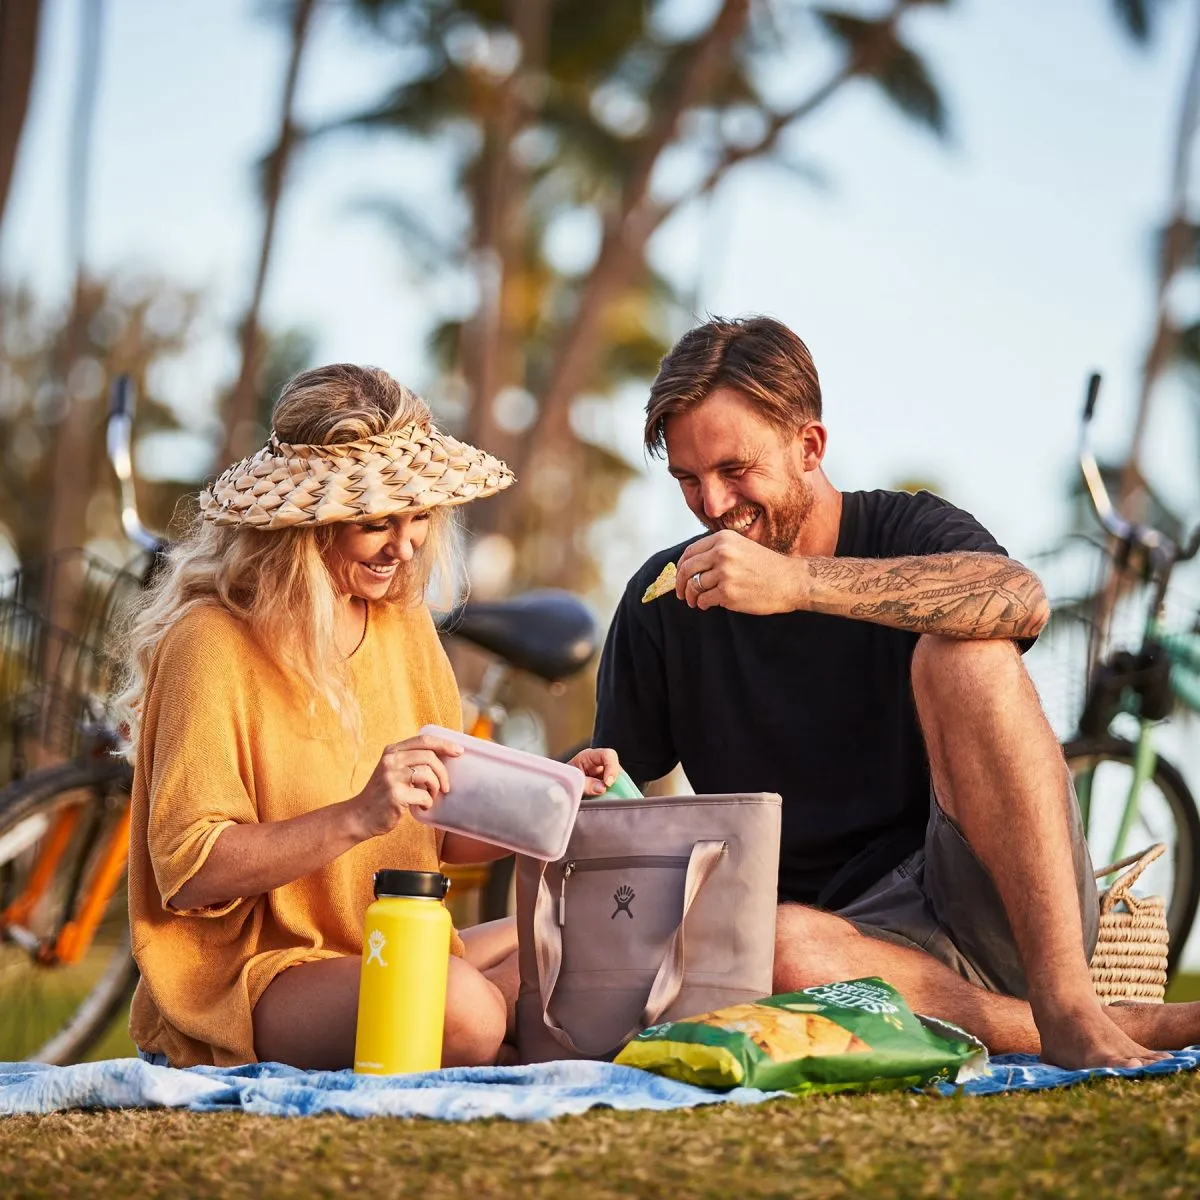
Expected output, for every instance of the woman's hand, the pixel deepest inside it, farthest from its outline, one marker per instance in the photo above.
(410, 774)
(601, 766)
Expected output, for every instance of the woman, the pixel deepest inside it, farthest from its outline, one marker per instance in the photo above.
(278, 675)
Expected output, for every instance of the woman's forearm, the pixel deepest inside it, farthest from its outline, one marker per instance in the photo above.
(248, 860)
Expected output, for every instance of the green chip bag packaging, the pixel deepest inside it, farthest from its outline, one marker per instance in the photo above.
(855, 1036)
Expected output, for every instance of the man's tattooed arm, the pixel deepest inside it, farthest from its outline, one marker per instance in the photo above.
(963, 594)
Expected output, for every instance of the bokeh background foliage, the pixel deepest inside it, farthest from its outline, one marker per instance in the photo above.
(553, 157)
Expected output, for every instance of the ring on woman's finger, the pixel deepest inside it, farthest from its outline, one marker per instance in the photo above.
(412, 776)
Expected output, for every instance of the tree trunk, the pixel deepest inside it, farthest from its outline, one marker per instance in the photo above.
(241, 417)
(494, 354)
(1177, 248)
(553, 447)
(19, 21)
(553, 451)
(73, 458)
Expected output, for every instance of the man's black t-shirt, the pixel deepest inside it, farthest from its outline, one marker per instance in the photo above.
(817, 708)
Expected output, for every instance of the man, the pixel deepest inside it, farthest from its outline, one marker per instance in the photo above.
(859, 653)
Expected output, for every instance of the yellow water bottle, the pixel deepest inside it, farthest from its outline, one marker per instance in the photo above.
(405, 962)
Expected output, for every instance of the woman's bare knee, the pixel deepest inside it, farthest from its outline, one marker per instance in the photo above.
(475, 1018)
(306, 1017)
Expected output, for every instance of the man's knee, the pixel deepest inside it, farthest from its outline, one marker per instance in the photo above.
(811, 947)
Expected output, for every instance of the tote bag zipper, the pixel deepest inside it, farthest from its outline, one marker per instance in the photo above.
(626, 861)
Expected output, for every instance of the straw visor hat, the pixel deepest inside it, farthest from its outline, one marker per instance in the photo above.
(407, 470)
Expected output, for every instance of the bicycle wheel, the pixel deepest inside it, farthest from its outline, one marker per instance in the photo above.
(55, 1012)
(1102, 768)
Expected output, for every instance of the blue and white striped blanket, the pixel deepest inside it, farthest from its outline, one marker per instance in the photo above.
(464, 1094)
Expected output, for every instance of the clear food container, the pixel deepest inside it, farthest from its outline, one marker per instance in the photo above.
(522, 801)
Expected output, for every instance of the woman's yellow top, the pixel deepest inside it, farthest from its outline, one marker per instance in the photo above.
(227, 737)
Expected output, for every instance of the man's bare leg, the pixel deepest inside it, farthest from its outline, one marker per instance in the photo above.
(814, 947)
(999, 773)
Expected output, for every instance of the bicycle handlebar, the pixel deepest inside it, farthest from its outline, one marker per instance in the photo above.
(119, 441)
(1089, 406)
(1152, 540)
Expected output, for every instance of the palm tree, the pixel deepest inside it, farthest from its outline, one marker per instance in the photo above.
(1178, 247)
(71, 451)
(557, 109)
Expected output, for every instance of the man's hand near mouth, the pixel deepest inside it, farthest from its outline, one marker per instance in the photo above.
(729, 570)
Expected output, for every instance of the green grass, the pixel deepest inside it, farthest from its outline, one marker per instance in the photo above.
(1184, 987)
(1110, 1137)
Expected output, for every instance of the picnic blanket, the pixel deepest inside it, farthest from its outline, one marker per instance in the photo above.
(461, 1094)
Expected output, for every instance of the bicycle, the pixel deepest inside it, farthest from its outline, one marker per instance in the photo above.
(1124, 786)
(66, 964)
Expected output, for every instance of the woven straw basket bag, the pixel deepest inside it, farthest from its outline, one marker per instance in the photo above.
(1130, 962)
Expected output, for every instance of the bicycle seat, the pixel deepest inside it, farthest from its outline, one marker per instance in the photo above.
(549, 633)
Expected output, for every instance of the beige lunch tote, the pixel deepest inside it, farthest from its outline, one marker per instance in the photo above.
(661, 908)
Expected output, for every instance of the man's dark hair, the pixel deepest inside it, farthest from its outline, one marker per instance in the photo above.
(757, 356)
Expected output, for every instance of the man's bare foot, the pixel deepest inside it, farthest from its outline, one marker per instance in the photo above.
(1161, 1026)
(1090, 1036)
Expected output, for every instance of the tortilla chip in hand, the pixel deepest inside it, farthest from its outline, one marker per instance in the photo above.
(662, 585)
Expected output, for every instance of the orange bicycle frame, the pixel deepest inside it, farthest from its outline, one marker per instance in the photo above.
(18, 912)
(75, 937)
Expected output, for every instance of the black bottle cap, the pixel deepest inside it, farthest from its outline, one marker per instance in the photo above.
(429, 884)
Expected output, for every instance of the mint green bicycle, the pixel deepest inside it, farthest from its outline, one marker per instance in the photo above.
(1129, 795)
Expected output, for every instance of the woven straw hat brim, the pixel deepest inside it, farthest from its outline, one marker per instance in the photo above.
(411, 470)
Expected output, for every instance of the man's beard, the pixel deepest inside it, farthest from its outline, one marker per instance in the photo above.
(780, 525)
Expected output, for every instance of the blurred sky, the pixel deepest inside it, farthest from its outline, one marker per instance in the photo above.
(954, 295)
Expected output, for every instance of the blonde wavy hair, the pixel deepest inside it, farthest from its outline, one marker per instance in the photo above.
(277, 581)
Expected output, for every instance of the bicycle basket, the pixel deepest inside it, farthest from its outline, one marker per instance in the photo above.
(56, 668)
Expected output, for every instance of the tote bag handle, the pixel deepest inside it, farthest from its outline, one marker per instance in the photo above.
(547, 937)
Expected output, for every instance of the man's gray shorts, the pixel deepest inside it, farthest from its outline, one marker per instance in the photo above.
(941, 899)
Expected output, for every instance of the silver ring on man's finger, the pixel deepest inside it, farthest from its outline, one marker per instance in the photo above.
(696, 580)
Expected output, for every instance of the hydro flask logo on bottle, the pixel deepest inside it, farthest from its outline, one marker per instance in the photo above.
(375, 945)
(624, 897)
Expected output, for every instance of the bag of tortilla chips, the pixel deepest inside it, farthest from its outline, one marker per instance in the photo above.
(856, 1036)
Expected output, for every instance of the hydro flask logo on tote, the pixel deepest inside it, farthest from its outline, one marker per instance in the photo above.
(624, 897)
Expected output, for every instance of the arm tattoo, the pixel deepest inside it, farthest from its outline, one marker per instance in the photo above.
(966, 594)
